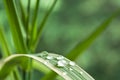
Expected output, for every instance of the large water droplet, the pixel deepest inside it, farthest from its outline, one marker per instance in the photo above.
(71, 63)
(61, 63)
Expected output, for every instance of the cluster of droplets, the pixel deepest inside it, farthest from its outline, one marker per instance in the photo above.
(60, 61)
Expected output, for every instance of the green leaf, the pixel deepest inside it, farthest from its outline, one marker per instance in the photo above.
(40, 67)
(4, 44)
(42, 25)
(27, 22)
(34, 22)
(81, 46)
(35, 14)
(6, 51)
(59, 64)
(15, 26)
(23, 15)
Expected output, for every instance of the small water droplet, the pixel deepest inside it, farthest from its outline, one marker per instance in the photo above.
(60, 57)
(64, 73)
(71, 63)
(81, 72)
(46, 63)
(49, 57)
(61, 63)
(70, 69)
(44, 54)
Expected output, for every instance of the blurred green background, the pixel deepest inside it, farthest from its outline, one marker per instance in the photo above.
(73, 21)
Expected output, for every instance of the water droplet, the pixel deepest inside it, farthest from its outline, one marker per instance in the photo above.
(44, 54)
(61, 63)
(64, 73)
(71, 63)
(60, 57)
(49, 57)
(70, 69)
(81, 72)
(46, 63)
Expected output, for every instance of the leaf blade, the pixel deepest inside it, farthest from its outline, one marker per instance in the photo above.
(4, 44)
(42, 25)
(34, 26)
(81, 46)
(15, 26)
(6, 66)
(23, 15)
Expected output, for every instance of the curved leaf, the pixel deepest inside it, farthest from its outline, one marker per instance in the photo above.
(59, 64)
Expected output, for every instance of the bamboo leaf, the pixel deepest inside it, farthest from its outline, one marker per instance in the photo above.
(42, 25)
(4, 44)
(81, 46)
(15, 26)
(59, 64)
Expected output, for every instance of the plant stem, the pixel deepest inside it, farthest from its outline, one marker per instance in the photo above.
(27, 23)
(16, 75)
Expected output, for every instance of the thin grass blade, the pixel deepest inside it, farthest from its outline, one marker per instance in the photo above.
(15, 26)
(34, 22)
(42, 25)
(27, 22)
(81, 46)
(6, 52)
(23, 15)
(4, 44)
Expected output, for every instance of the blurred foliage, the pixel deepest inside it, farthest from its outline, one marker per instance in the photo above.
(72, 21)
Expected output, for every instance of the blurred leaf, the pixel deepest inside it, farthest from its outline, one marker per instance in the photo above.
(34, 21)
(6, 52)
(23, 15)
(35, 14)
(41, 26)
(81, 46)
(4, 44)
(59, 64)
(27, 22)
(15, 26)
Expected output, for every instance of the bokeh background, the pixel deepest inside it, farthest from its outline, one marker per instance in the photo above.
(74, 20)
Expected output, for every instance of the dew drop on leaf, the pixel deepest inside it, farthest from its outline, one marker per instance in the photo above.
(64, 73)
(61, 63)
(81, 72)
(49, 57)
(60, 57)
(44, 53)
(45, 63)
(70, 69)
(71, 63)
